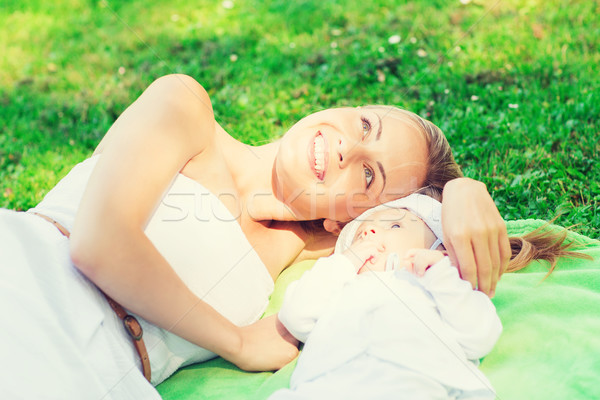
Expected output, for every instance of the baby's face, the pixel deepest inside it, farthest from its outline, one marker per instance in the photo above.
(397, 231)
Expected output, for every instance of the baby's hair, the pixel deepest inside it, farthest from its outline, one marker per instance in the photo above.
(544, 243)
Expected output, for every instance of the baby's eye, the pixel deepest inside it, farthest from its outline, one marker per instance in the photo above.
(366, 127)
(394, 226)
(368, 176)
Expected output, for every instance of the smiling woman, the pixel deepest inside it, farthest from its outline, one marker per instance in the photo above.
(355, 158)
(175, 274)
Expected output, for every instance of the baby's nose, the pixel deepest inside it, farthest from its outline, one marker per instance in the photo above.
(369, 231)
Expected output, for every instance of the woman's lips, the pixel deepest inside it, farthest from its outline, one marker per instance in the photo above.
(318, 156)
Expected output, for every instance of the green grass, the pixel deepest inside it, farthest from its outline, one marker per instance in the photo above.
(511, 83)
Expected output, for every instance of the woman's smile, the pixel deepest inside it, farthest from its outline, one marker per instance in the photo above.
(318, 156)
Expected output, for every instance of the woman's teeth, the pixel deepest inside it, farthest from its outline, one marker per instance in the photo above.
(319, 154)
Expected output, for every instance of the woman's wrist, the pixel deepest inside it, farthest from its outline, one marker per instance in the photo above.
(232, 344)
(461, 183)
(205, 327)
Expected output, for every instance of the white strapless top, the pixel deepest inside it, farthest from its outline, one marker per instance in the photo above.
(204, 244)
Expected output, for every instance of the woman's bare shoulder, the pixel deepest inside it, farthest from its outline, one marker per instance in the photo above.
(180, 91)
(177, 102)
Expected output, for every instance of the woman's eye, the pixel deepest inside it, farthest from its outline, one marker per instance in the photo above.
(366, 127)
(395, 226)
(368, 176)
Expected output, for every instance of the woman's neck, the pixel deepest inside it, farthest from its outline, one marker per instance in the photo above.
(252, 170)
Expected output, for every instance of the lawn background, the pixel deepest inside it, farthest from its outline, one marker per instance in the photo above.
(513, 84)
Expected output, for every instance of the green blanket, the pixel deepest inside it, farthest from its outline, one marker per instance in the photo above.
(549, 349)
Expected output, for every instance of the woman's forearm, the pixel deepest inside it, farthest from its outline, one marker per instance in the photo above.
(128, 268)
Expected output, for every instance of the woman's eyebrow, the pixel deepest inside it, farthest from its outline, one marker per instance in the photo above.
(382, 175)
(379, 129)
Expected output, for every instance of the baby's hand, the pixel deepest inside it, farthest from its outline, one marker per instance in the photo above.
(418, 260)
(362, 252)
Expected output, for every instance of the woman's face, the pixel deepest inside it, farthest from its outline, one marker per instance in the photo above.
(339, 162)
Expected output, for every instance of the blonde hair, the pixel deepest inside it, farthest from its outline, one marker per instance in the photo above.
(545, 243)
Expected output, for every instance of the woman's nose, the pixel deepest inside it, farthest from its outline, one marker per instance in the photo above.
(346, 152)
(340, 152)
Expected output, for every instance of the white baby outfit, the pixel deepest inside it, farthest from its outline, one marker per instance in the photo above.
(388, 335)
(59, 338)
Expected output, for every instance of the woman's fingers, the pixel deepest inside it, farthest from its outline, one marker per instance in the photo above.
(475, 234)
(501, 252)
(482, 252)
(494, 250)
(498, 249)
(461, 255)
(505, 250)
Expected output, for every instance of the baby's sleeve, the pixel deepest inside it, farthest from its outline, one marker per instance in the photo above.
(469, 313)
(306, 299)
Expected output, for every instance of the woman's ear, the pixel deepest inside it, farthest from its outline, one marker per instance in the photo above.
(332, 226)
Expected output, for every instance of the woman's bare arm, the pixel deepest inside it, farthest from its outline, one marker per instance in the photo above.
(171, 122)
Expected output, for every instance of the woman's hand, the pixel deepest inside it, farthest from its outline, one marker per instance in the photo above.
(474, 233)
(266, 346)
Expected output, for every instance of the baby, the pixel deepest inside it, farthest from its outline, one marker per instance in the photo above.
(387, 316)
